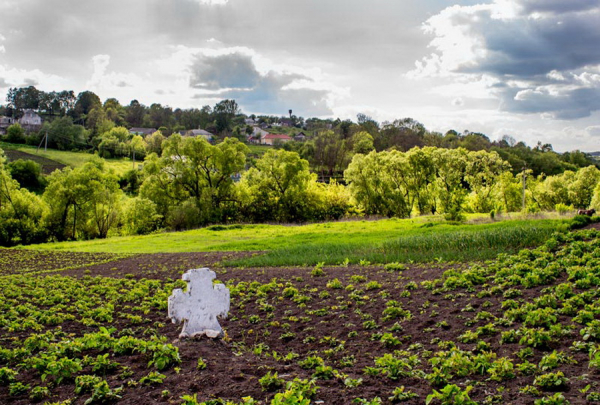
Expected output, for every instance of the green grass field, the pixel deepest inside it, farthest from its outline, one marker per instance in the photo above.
(72, 159)
(258, 149)
(381, 241)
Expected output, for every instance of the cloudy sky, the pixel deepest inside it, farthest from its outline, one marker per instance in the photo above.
(525, 68)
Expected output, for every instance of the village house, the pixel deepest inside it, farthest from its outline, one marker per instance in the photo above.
(257, 135)
(30, 121)
(270, 139)
(286, 122)
(300, 137)
(198, 132)
(5, 122)
(142, 131)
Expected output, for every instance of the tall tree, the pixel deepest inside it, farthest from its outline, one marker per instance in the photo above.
(81, 201)
(21, 212)
(86, 102)
(191, 168)
(279, 187)
(224, 112)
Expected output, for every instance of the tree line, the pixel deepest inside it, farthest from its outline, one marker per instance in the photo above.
(84, 122)
(193, 183)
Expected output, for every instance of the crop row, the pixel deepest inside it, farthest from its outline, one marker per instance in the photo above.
(523, 328)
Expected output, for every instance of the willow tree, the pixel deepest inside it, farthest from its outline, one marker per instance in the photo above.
(280, 187)
(194, 173)
(83, 202)
(21, 212)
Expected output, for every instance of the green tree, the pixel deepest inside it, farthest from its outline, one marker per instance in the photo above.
(154, 143)
(509, 192)
(134, 114)
(191, 168)
(422, 170)
(482, 174)
(64, 135)
(15, 134)
(21, 212)
(86, 102)
(554, 190)
(82, 201)
(279, 188)
(23, 98)
(28, 174)
(581, 190)
(382, 183)
(331, 154)
(114, 111)
(362, 142)
(224, 112)
(450, 184)
(369, 182)
(139, 216)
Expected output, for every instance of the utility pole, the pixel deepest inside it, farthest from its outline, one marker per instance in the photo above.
(44, 139)
(524, 187)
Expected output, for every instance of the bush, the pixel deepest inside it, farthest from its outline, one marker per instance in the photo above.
(15, 134)
(186, 215)
(140, 217)
(28, 173)
(562, 209)
(580, 221)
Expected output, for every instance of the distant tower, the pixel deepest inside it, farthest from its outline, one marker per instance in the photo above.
(290, 113)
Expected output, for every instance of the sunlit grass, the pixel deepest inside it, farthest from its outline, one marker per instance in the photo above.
(72, 159)
(425, 238)
(424, 244)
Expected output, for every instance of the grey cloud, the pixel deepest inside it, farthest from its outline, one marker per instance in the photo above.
(593, 130)
(567, 105)
(385, 31)
(548, 50)
(30, 82)
(4, 83)
(558, 6)
(236, 71)
(60, 37)
(235, 76)
(526, 48)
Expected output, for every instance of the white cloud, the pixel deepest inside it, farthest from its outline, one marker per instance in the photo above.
(258, 84)
(12, 77)
(593, 130)
(539, 56)
(213, 2)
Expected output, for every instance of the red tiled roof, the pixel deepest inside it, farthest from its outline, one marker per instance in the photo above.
(277, 136)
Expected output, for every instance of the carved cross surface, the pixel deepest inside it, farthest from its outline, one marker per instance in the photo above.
(200, 305)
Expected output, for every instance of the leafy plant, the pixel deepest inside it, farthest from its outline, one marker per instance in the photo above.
(271, 382)
(102, 393)
(451, 395)
(551, 381)
(152, 378)
(400, 394)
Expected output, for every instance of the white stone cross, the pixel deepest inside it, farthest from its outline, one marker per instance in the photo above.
(200, 305)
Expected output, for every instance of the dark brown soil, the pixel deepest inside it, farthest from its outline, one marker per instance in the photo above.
(235, 364)
(48, 165)
(19, 261)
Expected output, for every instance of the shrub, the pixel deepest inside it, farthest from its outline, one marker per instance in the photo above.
(28, 174)
(271, 382)
(15, 134)
(451, 395)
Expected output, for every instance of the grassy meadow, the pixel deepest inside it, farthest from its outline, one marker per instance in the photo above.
(72, 159)
(421, 239)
